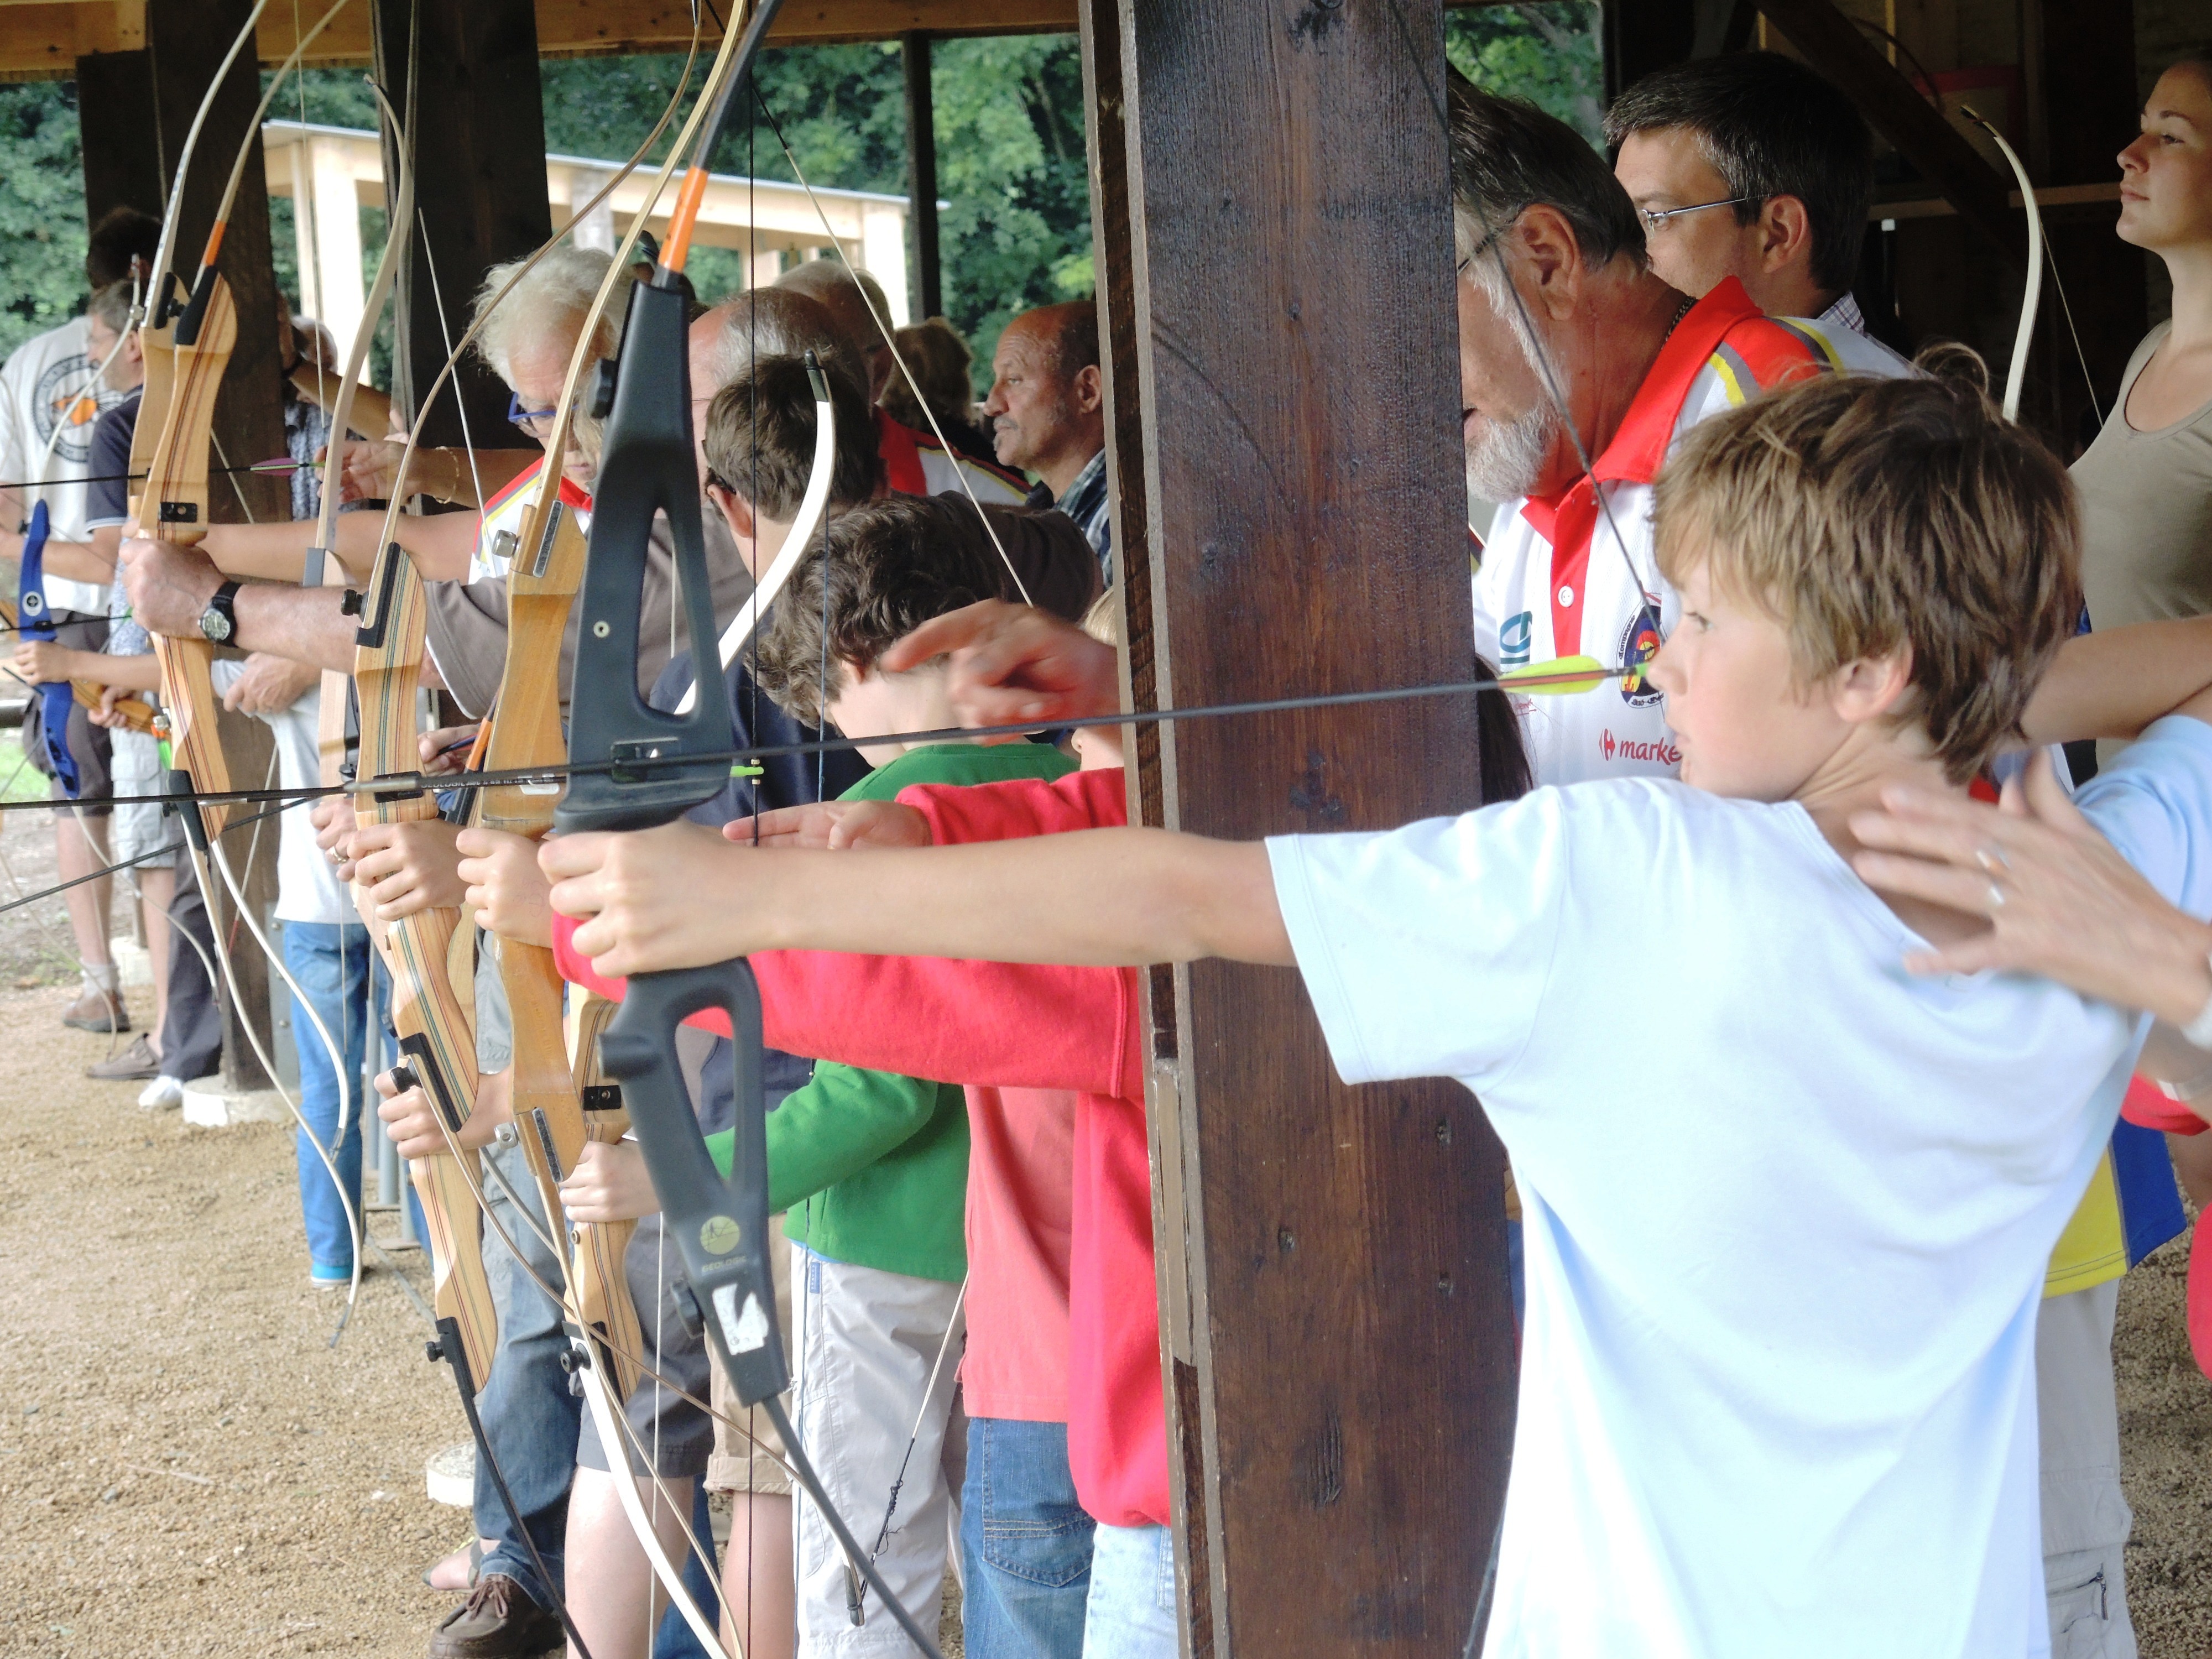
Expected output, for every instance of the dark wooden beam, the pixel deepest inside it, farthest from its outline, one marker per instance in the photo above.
(2083, 65)
(925, 271)
(1837, 47)
(123, 163)
(478, 139)
(1114, 260)
(186, 40)
(1332, 1260)
(1642, 35)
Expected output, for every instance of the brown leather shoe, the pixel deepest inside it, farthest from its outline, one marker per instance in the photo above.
(134, 1064)
(94, 1012)
(498, 1621)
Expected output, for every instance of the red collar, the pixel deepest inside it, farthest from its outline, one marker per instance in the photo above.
(1638, 447)
(902, 460)
(574, 494)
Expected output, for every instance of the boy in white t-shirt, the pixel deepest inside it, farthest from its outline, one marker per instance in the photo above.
(1788, 1221)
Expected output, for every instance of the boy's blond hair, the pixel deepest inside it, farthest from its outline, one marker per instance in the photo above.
(1870, 517)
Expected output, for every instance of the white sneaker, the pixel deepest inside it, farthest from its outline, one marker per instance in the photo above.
(160, 1095)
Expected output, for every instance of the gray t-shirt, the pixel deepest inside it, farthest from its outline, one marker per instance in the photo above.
(2147, 512)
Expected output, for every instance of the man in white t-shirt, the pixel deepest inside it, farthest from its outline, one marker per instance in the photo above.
(1790, 1200)
(52, 395)
(1567, 568)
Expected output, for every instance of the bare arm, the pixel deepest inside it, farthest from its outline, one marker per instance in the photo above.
(277, 552)
(170, 587)
(682, 897)
(2114, 684)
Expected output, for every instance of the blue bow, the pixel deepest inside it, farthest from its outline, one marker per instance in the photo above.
(35, 621)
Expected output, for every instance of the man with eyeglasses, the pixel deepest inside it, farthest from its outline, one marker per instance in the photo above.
(1753, 166)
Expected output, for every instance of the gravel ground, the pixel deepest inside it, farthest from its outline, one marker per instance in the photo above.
(2165, 1443)
(185, 1465)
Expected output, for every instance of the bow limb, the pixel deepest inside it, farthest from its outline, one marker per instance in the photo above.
(811, 505)
(164, 250)
(2031, 300)
(174, 508)
(607, 1419)
(621, 176)
(434, 1036)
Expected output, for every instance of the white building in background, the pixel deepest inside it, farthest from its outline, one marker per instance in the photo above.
(331, 173)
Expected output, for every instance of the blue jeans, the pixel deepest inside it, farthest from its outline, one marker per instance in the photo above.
(1131, 1613)
(1025, 1543)
(330, 961)
(530, 1418)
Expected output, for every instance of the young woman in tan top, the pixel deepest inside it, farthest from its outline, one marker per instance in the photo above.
(2145, 483)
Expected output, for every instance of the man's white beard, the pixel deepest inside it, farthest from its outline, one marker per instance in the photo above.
(1509, 457)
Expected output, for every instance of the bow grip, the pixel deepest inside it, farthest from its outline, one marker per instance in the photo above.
(721, 1227)
(669, 762)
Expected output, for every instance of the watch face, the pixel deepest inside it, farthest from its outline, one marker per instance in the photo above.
(215, 625)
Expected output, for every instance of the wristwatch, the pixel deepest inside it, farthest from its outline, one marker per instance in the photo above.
(220, 620)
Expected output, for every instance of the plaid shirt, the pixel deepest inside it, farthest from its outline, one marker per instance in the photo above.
(1086, 503)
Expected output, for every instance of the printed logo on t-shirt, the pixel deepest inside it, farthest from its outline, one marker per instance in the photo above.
(1513, 640)
(1639, 643)
(67, 396)
(1632, 749)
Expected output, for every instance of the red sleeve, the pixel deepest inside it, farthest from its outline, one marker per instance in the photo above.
(1021, 806)
(2146, 1105)
(993, 1024)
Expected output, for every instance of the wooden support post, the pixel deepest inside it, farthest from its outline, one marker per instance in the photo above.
(1114, 258)
(1290, 517)
(925, 275)
(123, 163)
(479, 148)
(186, 40)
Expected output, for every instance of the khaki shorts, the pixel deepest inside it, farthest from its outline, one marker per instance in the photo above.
(735, 1465)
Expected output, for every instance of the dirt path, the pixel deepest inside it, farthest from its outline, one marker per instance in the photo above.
(184, 1465)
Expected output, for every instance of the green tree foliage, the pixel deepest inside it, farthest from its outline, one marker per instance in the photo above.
(41, 210)
(1549, 52)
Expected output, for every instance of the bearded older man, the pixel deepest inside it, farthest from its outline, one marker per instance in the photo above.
(1579, 370)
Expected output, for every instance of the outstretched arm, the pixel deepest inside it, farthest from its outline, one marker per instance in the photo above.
(681, 896)
(2114, 684)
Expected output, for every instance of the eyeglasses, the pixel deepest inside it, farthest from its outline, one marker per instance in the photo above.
(533, 421)
(1657, 218)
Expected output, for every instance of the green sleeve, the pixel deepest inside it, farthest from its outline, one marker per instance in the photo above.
(838, 1124)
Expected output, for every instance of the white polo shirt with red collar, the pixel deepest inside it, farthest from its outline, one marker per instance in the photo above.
(501, 520)
(1556, 580)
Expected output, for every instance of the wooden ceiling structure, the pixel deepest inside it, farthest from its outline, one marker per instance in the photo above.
(1289, 517)
(42, 40)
